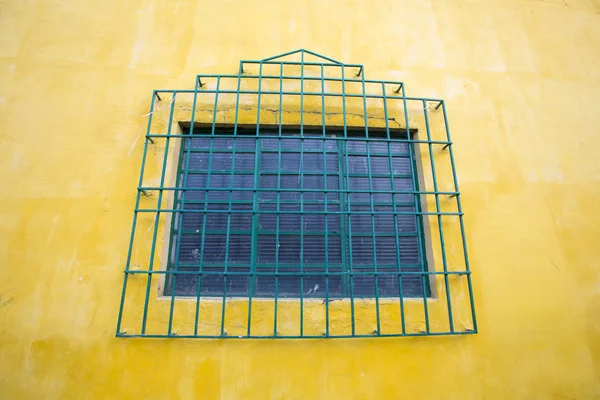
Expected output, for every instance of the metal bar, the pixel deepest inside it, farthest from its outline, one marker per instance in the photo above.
(135, 214)
(201, 259)
(157, 217)
(296, 233)
(277, 217)
(390, 335)
(417, 207)
(327, 94)
(439, 218)
(172, 258)
(293, 77)
(347, 170)
(155, 188)
(237, 99)
(323, 122)
(460, 218)
(336, 64)
(226, 264)
(287, 265)
(255, 216)
(313, 173)
(370, 177)
(301, 177)
(280, 55)
(344, 139)
(394, 208)
(154, 210)
(208, 175)
(185, 176)
(343, 225)
(306, 151)
(359, 73)
(307, 202)
(323, 57)
(280, 104)
(277, 240)
(224, 301)
(330, 273)
(326, 218)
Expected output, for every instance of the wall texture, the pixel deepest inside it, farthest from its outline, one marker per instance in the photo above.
(521, 81)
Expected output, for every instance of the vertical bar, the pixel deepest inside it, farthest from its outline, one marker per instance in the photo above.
(460, 218)
(227, 238)
(394, 210)
(301, 172)
(135, 214)
(182, 205)
(347, 194)
(157, 217)
(278, 201)
(280, 98)
(340, 169)
(277, 231)
(416, 199)
(176, 216)
(226, 261)
(302, 97)
(323, 123)
(344, 103)
(255, 207)
(439, 217)
(203, 236)
(228, 229)
(237, 101)
(215, 109)
(342, 199)
(376, 276)
(326, 216)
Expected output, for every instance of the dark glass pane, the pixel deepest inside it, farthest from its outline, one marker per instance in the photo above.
(302, 242)
(311, 144)
(290, 162)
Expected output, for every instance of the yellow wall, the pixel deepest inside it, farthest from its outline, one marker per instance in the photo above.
(521, 80)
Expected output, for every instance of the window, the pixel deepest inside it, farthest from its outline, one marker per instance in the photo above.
(296, 199)
(284, 216)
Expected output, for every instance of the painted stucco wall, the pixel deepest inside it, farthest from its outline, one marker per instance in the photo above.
(521, 81)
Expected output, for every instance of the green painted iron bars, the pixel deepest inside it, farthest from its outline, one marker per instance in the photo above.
(239, 209)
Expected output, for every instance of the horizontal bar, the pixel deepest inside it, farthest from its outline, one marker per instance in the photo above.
(294, 173)
(300, 63)
(295, 233)
(150, 188)
(218, 294)
(293, 151)
(306, 78)
(329, 202)
(299, 137)
(358, 336)
(326, 94)
(298, 274)
(391, 213)
(394, 267)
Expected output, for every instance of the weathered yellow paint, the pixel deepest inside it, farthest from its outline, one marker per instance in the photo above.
(521, 81)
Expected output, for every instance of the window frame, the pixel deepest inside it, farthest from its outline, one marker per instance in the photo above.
(249, 130)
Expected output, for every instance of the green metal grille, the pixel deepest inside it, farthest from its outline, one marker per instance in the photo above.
(336, 204)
